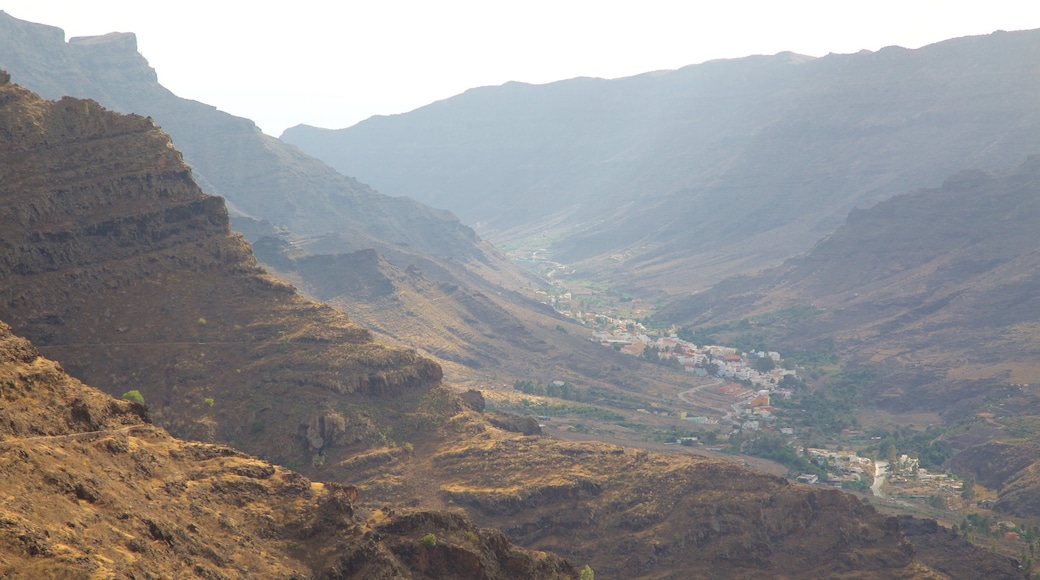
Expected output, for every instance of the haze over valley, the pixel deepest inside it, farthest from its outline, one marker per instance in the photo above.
(769, 316)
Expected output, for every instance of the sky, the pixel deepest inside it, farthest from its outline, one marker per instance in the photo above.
(333, 64)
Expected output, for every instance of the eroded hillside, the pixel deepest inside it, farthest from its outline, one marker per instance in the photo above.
(115, 261)
(942, 284)
(95, 490)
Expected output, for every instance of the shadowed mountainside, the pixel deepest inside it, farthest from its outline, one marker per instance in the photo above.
(123, 269)
(664, 180)
(945, 280)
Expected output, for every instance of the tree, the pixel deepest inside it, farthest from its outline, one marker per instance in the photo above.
(968, 492)
(764, 364)
(134, 396)
(587, 573)
(429, 540)
(652, 354)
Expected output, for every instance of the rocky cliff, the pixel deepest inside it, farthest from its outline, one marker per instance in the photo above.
(115, 261)
(94, 490)
(267, 183)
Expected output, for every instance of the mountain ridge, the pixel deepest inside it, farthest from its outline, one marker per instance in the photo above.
(665, 181)
(938, 284)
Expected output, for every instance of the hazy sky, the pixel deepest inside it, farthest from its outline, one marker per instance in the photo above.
(332, 64)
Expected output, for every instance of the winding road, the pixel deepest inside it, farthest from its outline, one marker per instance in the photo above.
(714, 383)
(880, 470)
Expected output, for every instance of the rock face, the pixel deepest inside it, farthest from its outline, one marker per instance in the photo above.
(955, 556)
(114, 260)
(268, 184)
(94, 490)
(665, 179)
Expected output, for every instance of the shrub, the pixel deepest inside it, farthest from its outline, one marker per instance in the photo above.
(587, 573)
(134, 396)
(208, 401)
(429, 540)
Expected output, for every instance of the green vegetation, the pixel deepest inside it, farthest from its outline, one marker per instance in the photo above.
(764, 364)
(134, 396)
(776, 447)
(858, 485)
(565, 391)
(925, 445)
(544, 408)
(587, 573)
(677, 435)
(1023, 427)
(738, 333)
(830, 408)
(429, 540)
(208, 401)
(652, 354)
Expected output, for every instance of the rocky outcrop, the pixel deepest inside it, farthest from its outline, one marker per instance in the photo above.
(955, 556)
(112, 259)
(268, 184)
(94, 490)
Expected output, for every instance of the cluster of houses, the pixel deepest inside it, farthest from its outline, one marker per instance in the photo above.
(725, 362)
(844, 466)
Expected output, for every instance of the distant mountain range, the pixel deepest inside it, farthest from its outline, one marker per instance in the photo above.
(664, 181)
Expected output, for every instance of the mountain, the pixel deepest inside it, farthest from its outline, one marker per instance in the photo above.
(118, 266)
(98, 491)
(114, 261)
(942, 281)
(275, 192)
(270, 186)
(667, 180)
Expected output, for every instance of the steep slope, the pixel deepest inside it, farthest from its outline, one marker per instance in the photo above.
(267, 183)
(121, 267)
(95, 490)
(476, 328)
(298, 200)
(114, 260)
(666, 179)
(945, 280)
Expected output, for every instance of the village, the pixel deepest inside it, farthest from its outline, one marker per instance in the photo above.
(750, 381)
